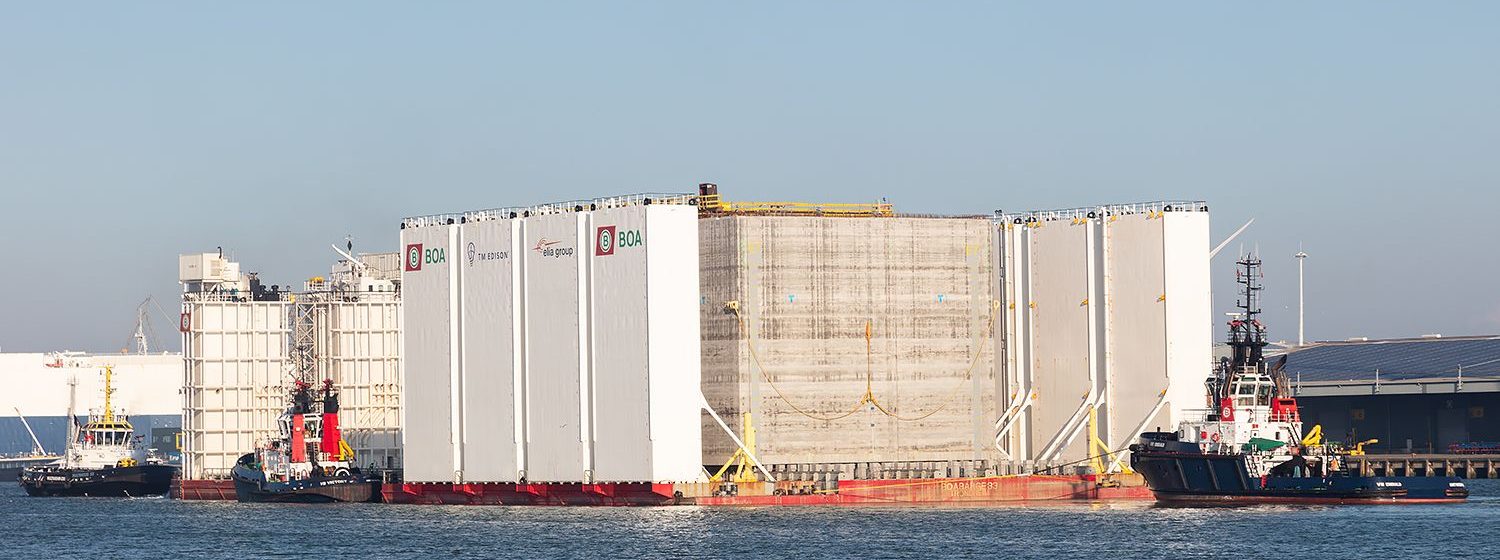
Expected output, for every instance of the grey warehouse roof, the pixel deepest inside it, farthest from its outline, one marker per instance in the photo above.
(1396, 359)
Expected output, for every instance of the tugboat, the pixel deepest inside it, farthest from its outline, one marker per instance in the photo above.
(102, 458)
(309, 462)
(1249, 447)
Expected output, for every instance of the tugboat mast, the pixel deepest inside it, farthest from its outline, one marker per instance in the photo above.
(109, 409)
(1247, 336)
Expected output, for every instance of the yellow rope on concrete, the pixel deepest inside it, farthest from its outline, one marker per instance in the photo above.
(869, 396)
(750, 343)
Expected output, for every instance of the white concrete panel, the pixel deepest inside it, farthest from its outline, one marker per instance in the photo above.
(1189, 312)
(489, 321)
(235, 357)
(622, 403)
(674, 339)
(361, 349)
(1137, 323)
(1011, 347)
(428, 337)
(1060, 319)
(554, 415)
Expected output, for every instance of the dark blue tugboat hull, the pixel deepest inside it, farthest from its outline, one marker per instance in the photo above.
(1212, 479)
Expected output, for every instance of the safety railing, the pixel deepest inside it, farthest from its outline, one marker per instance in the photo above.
(235, 296)
(508, 212)
(1095, 212)
(1253, 415)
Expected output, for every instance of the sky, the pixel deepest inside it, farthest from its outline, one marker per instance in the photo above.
(1364, 133)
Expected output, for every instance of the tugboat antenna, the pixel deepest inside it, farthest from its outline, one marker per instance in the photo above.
(1247, 336)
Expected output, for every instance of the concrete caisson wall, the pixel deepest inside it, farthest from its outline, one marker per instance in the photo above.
(1137, 270)
(805, 289)
(239, 359)
(837, 339)
(359, 345)
(429, 353)
(1189, 310)
(555, 363)
(234, 367)
(577, 346)
(644, 313)
(1108, 311)
(490, 338)
(1060, 312)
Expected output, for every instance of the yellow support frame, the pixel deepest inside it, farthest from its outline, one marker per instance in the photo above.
(744, 470)
(714, 204)
(1098, 451)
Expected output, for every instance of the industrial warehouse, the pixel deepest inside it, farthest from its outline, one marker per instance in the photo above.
(1421, 397)
(684, 346)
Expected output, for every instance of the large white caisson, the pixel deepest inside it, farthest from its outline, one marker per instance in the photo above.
(557, 344)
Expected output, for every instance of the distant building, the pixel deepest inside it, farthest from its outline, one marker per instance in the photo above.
(34, 386)
(1417, 395)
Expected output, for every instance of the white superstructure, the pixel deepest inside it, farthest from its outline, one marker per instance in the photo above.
(107, 439)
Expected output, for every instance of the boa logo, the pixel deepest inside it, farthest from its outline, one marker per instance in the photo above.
(605, 241)
(609, 238)
(416, 256)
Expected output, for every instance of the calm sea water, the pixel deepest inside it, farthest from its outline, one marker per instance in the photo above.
(108, 528)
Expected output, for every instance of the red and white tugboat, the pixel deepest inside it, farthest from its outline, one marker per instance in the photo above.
(309, 462)
(1249, 447)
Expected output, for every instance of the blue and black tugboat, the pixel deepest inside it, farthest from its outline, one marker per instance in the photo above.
(309, 462)
(1249, 447)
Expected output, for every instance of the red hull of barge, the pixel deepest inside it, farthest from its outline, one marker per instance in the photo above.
(202, 489)
(956, 491)
(912, 492)
(615, 494)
